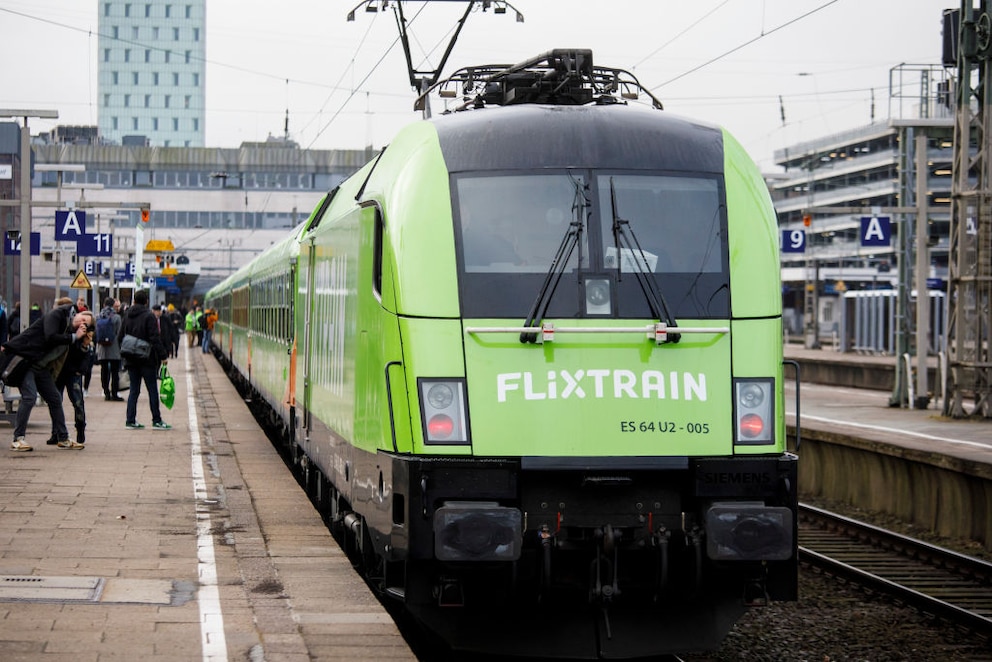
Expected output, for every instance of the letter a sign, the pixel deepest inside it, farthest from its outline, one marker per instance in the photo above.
(875, 231)
(70, 225)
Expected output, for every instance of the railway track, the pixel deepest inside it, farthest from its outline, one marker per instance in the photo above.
(935, 580)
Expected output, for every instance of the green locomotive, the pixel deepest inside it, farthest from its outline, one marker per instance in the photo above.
(529, 360)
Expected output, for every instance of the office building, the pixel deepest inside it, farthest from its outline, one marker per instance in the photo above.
(152, 72)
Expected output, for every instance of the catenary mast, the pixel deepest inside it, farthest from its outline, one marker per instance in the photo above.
(969, 293)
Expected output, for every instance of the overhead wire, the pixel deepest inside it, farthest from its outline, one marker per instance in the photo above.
(697, 22)
(358, 87)
(746, 43)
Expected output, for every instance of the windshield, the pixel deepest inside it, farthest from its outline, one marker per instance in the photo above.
(509, 228)
(515, 223)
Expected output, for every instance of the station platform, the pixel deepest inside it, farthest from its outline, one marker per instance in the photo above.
(915, 464)
(189, 544)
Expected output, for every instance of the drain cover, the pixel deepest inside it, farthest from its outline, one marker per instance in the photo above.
(28, 588)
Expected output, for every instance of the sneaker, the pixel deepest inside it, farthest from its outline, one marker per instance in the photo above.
(19, 445)
(134, 426)
(161, 425)
(51, 441)
(74, 445)
(115, 398)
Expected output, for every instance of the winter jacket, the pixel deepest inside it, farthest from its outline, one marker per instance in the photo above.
(47, 339)
(139, 321)
(111, 352)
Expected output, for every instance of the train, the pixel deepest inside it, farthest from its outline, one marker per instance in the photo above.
(528, 362)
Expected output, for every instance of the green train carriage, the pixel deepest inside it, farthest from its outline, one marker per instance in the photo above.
(539, 367)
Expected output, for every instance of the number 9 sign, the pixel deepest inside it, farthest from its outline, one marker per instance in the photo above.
(793, 241)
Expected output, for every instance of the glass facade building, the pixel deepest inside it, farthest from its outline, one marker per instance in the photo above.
(152, 72)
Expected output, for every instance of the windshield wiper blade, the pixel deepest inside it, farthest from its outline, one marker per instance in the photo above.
(569, 241)
(625, 239)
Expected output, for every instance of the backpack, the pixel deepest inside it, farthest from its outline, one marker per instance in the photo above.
(105, 331)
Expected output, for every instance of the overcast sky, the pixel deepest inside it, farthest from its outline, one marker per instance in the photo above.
(345, 83)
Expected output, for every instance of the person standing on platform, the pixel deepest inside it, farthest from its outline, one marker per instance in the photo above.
(176, 319)
(209, 317)
(191, 326)
(44, 343)
(201, 324)
(108, 349)
(14, 321)
(166, 329)
(143, 325)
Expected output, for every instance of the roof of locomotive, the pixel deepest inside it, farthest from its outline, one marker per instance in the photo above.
(559, 109)
(602, 136)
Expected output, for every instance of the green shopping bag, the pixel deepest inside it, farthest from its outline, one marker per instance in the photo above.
(167, 387)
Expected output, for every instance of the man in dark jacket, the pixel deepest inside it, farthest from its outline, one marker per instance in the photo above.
(70, 382)
(142, 324)
(14, 320)
(44, 343)
(166, 329)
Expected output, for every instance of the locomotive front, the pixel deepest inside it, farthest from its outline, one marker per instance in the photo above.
(601, 433)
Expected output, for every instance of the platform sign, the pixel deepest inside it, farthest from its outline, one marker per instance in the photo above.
(793, 241)
(120, 275)
(13, 246)
(92, 268)
(876, 231)
(95, 245)
(70, 225)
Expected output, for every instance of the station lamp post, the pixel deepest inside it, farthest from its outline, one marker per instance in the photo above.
(25, 202)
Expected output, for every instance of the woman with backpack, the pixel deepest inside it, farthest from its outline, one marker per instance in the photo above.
(108, 349)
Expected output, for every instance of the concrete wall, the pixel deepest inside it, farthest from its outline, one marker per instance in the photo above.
(946, 495)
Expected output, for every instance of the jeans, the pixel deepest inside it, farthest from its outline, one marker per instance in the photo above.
(39, 381)
(206, 340)
(110, 377)
(74, 389)
(141, 372)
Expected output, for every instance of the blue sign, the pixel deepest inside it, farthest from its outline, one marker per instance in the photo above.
(95, 245)
(70, 225)
(12, 247)
(91, 268)
(793, 241)
(120, 275)
(936, 284)
(876, 231)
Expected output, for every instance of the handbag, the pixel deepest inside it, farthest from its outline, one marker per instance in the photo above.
(167, 389)
(135, 348)
(12, 369)
(123, 380)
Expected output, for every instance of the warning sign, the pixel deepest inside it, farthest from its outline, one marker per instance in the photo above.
(81, 282)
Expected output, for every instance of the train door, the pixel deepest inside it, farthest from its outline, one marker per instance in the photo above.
(306, 301)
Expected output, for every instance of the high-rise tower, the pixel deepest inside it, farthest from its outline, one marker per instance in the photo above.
(152, 71)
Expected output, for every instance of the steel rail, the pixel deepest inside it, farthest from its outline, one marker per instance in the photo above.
(953, 586)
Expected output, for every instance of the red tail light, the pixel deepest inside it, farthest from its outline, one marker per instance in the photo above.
(440, 426)
(752, 426)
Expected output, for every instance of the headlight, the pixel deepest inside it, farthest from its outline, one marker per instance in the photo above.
(443, 413)
(754, 411)
(477, 531)
(748, 532)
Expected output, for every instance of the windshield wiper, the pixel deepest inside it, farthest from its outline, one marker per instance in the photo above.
(569, 241)
(625, 239)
